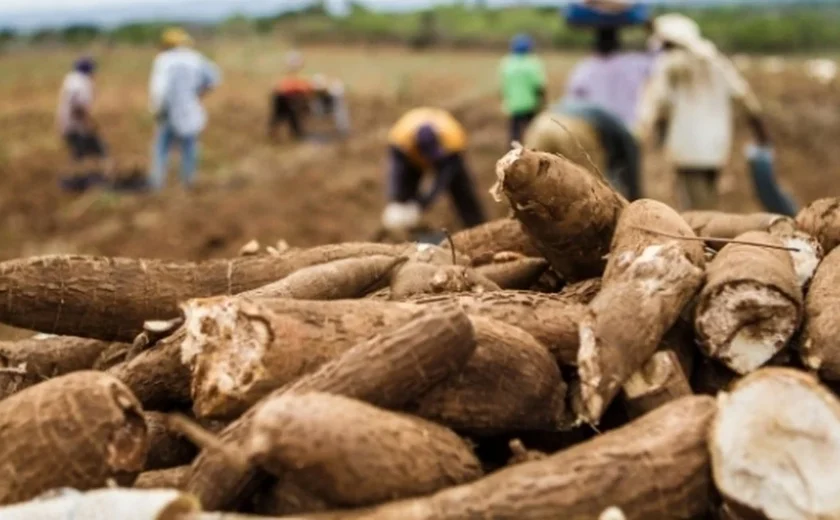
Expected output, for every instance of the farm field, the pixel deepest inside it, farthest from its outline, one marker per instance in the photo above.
(311, 193)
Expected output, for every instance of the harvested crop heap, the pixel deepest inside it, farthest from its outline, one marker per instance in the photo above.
(586, 358)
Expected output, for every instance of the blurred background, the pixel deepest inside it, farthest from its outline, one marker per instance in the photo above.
(390, 56)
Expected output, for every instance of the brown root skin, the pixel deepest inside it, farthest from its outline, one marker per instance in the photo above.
(518, 273)
(521, 454)
(719, 224)
(437, 255)
(820, 342)
(170, 478)
(569, 212)
(387, 370)
(665, 451)
(157, 376)
(775, 444)
(647, 282)
(482, 242)
(167, 448)
(417, 278)
(582, 292)
(337, 280)
(751, 304)
(240, 349)
(660, 381)
(510, 383)
(362, 456)
(551, 320)
(77, 430)
(821, 219)
(110, 298)
(281, 497)
(39, 358)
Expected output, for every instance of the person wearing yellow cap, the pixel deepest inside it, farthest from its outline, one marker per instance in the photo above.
(425, 139)
(180, 78)
(687, 107)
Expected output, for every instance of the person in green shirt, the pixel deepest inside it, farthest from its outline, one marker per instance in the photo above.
(523, 84)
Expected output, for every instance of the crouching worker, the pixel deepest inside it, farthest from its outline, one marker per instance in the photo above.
(289, 99)
(592, 137)
(424, 139)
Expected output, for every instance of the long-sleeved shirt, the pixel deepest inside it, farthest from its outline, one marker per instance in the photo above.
(613, 83)
(179, 77)
(695, 93)
(76, 93)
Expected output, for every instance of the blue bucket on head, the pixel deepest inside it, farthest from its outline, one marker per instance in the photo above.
(580, 15)
(764, 179)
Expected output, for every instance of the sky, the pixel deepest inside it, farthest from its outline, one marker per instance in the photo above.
(31, 14)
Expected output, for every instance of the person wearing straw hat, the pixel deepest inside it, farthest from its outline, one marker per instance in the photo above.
(181, 76)
(687, 107)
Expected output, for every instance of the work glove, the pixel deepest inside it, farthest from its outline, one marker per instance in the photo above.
(401, 216)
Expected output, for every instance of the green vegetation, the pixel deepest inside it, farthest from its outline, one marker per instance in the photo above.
(797, 28)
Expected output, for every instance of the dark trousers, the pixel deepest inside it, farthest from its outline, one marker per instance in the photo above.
(284, 109)
(404, 185)
(519, 123)
(623, 154)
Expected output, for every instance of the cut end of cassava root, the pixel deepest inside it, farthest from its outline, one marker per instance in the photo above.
(746, 325)
(807, 256)
(775, 446)
(205, 322)
(502, 166)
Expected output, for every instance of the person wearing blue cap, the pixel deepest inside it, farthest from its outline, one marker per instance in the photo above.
(422, 139)
(75, 121)
(523, 84)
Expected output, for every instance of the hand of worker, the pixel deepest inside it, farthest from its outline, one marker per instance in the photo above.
(399, 216)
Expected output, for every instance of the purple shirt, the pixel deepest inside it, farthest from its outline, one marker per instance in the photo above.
(614, 82)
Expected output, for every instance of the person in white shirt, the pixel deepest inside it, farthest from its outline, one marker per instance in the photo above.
(687, 106)
(180, 77)
(76, 123)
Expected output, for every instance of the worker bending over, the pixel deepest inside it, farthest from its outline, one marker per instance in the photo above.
(423, 139)
(290, 98)
(592, 137)
(687, 106)
(328, 100)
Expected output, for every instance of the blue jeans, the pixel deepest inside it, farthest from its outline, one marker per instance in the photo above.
(164, 138)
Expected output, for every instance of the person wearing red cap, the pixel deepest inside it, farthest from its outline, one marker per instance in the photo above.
(428, 139)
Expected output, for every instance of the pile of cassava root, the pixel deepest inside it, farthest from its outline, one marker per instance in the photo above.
(586, 358)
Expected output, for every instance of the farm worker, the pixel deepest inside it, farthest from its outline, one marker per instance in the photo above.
(428, 138)
(612, 78)
(181, 76)
(329, 100)
(290, 97)
(688, 105)
(523, 84)
(75, 121)
(592, 137)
